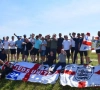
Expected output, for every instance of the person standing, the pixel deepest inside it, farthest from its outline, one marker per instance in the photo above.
(67, 46)
(6, 47)
(18, 44)
(12, 49)
(59, 43)
(37, 47)
(43, 49)
(28, 49)
(48, 45)
(77, 46)
(53, 46)
(73, 46)
(32, 40)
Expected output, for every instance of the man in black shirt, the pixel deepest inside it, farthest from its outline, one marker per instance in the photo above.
(28, 49)
(50, 60)
(3, 57)
(59, 43)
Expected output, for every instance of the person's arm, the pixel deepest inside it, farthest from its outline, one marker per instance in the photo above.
(15, 35)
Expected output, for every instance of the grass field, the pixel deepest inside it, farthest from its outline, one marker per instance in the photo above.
(20, 85)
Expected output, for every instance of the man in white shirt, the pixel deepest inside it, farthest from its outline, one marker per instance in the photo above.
(32, 40)
(6, 47)
(67, 46)
(12, 49)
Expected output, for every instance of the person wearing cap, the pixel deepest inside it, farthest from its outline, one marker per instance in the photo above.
(3, 57)
(73, 46)
(18, 44)
(98, 47)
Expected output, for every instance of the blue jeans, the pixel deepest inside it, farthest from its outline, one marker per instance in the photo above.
(59, 64)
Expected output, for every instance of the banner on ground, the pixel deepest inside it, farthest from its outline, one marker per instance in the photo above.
(29, 72)
(80, 76)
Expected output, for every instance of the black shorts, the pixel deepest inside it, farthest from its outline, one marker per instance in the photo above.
(27, 52)
(68, 53)
(98, 51)
(72, 49)
(13, 51)
(83, 53)
(36, 51)
(19, 50)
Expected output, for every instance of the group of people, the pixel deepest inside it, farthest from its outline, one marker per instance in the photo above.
(38, 45)
(49, 48)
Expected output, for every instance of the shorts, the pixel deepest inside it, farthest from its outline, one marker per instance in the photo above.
(19, 50)
(7, 51)
(43, 53)
(47, 63)
(72, 49)
(59, 50)
(36, 51)
(13, 51)
(68, 53)
(27, 52)
(98, 51)
(47, 50)
(83, 53)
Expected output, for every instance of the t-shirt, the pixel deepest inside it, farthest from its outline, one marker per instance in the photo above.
(59, 43)
(62, 58)
(50, 59)
(18, 44)
(43, 47)
(66, 44)
(37, 43)
(32, 40)
(12, 44)
(6, 44)
(72, 43)
(29, 46)
(53, 44)
(3, 56)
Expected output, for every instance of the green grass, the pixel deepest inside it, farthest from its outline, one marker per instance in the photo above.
(20, 85)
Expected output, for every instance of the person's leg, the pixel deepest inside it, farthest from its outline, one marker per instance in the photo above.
(98, 58)
(18, 52)
(75, 56)
(81, 56)
(72, 53)
(37, 51)
(57, 65)
(54, 51)
(15, 54)
(88, 56)
(68, 55)
(26, 55)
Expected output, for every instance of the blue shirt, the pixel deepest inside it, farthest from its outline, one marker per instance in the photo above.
(18, 43)
(37, 44)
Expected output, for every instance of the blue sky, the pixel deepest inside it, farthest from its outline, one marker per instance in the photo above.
(49, 16)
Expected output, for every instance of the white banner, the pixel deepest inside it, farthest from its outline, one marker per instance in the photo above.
(29, 72)
(80, 76)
